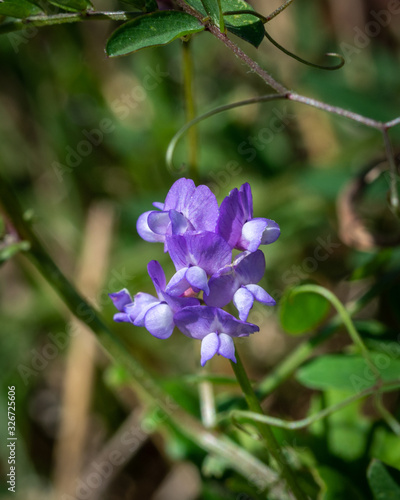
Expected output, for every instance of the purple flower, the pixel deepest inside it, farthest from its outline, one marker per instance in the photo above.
(237, 225)
(186, 208)
(215, 328)
(237, 282)
(154, 313)
(196, 256)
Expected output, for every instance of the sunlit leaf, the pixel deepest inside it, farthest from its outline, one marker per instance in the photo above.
(151, 30)
(214, 11)
(245, 26)
(19, 8)
(383, 485)
(347, 373)
(301, 312)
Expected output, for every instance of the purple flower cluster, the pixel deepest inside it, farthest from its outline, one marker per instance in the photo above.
(200, 237)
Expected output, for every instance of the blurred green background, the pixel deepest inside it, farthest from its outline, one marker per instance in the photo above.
(58, 89)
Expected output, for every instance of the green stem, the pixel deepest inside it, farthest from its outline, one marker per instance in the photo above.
(265, 430)
(386, 415)
(70, 17)
(346, 320)
(394, 195)
(299, 355)
(190, 109)
(246, 416)
(169, 156)
(149, 389)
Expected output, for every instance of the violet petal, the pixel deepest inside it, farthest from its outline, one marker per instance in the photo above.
(226, 347)
(231, 218)
(250, 267)
(159, 321)
(261, 295)
(209, 347)
(179, 223)
(121, 299)
(221, 289)
(158, 222)
(252, 232)
(206, 250)
(136, 311)
(197, 278)
(145, 232)
(271, 232)
(243, 301)
(157, 276)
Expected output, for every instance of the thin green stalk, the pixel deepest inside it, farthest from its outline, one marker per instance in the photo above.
(169, 156)
(394, 195)
(70, 17)
(190, 108)
(299, 355)
(149, 389)
(386, 415)
(264, 429)
(246, 416)
(346, 319)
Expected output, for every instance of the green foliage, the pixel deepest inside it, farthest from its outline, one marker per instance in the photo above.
(144, 5)
(9, 250)
(336, 486)
(19, 8)
(151, 30)
(72, 5)
(382, 484)
(214, 10)
(245, 26)
(347, 373)
(301, 312)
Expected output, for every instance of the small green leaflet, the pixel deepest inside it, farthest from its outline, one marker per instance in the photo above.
(151, 30)
(18, 8)
(383, 485)
(8, 251)
(347, 373)
(245, 26)
(301, 312)
(72, 5)
(214, 10)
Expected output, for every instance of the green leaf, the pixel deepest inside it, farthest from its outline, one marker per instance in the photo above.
(347, 373)
(245, 26)
(151, 30)
(383, 485)
(144, 5)
(335, 486)
(10, 250)
(18, 8)
(72, 5)
(302, 312)
(214, 11)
